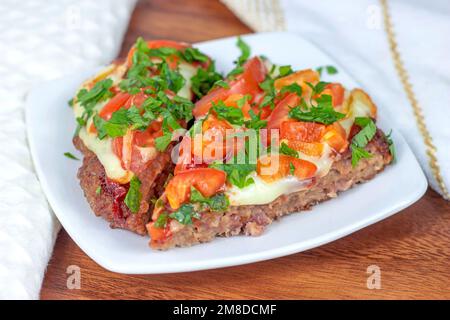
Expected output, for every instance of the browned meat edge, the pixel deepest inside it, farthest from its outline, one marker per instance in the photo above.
(92, 175)
(253, 219)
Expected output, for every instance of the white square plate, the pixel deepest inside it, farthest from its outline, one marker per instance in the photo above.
(50, 126)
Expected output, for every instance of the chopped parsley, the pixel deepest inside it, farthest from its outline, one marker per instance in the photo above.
(392, 149)
(320, 113)
(320, 110)
(134, 196)
(245, 51)
(193, 54)
(284, 71)
(221, 83)
(293, 88)
(204, 80)
(88, 99)
(169, 124)
(98, 191)
(268, 86)
(255, 121)
(230, 114)
(361, 139)
(237, 173)
(329, 69)
(184, 214)
(285, 149)
(235, 72)
(243, 57)
(318, 88)
(291, 169)
(99, 92)
(217, 203)
(70, 156)
(161, 221)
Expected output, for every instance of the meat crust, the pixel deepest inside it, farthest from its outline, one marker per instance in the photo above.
(108, 203)
(253, 219)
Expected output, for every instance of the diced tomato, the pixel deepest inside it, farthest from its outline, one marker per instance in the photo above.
(277, 166)
(155, 44)
(158, 234)
(300, 78)
(212, 144)
(336, 137)
(131, 154)
(336, 91)
(302, 131)
(92, 129)
(313, 149)
(136, 100)
(281, 111)
(117, 102)
(117, 146)
(265, 112)
(245, 83)
(206, 180)
(147, 137)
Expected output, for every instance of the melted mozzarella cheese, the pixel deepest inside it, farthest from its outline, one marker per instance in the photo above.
(103, 148)
(358, 108)
(323, 163)
(262, 192)
(104, 152)
(187, 71)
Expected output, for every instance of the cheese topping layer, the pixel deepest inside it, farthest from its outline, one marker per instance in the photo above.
(357, 104)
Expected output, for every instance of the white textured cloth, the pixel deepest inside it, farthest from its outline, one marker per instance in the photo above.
(353, 33)
(40, 40)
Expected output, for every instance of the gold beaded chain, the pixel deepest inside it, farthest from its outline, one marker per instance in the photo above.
(417, 110)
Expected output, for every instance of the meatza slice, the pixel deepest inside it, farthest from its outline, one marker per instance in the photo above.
(253, 219)
(105, 196)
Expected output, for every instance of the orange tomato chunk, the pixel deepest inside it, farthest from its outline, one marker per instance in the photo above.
(277, 166)
(206, 180)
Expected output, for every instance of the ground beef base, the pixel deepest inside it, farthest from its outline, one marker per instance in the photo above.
(92, 175)
(253, 219)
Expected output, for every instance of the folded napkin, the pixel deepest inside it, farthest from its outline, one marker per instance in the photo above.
(40, 40)
(397, 50)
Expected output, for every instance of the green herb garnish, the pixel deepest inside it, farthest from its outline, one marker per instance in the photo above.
(70, 156)
(293, 88)
(323, 112)
(285, 149)
(185, 214)
(217, 203)
(161, 221)
(284, 71)
(245, 51)
(329, 69)
(134, 196)
(237, 174)
(204, 80)
(255, 122)
(361, 139)
(392, 149)
(230, 114)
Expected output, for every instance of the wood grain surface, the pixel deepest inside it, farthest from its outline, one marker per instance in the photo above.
(412, 248)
